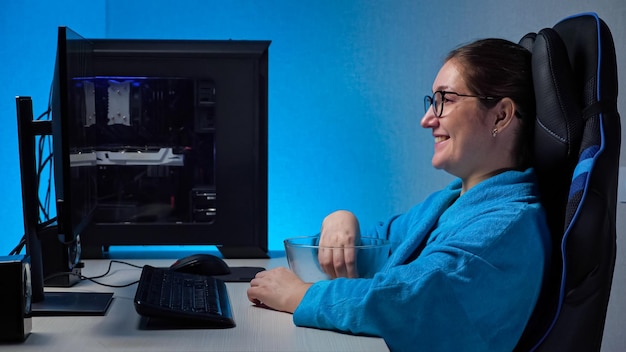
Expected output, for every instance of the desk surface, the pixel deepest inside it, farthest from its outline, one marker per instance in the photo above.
(257, 329)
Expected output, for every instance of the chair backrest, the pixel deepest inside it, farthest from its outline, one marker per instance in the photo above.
(577, 144)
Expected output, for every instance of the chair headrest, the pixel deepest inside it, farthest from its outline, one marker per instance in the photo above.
(558, 124)
(568, 83)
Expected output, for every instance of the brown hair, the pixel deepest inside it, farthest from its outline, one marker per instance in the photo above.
(500, 68)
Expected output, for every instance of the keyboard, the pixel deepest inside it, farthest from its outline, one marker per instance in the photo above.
(171, 295)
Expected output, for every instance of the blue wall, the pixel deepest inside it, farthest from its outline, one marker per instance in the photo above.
(28, 32)
(346, 85)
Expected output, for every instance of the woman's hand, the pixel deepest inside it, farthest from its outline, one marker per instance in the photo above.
(278, 289)
(339, 229)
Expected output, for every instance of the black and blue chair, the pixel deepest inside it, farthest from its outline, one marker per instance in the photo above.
(577, 145)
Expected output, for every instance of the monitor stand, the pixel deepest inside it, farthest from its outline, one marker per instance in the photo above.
(72, 304)
(46, 303)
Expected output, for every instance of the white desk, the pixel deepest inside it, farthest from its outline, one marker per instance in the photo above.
(257, 329)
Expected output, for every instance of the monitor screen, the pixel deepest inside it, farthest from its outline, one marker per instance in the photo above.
(73, 138)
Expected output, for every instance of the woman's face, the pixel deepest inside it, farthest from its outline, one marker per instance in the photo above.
(462, 135)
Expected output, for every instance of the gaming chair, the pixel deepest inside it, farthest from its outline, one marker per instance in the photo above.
(577, 145)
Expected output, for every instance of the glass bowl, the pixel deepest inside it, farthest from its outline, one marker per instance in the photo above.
(302, 258)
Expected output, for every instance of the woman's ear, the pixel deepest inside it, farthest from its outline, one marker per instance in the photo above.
(505, 113)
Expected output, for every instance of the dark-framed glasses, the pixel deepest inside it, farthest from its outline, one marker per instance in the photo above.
(438, 98)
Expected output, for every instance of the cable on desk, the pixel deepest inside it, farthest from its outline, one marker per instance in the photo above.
(93, 278)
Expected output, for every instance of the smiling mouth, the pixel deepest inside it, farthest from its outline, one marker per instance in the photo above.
(441, 139)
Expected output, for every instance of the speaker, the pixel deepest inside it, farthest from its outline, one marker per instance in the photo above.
(15, 298)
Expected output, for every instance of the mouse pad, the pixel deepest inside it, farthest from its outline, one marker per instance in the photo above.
(240, 274)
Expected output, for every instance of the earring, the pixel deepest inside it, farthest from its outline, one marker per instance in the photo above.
(494, 132)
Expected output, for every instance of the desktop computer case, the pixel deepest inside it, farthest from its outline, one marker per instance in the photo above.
(156, 172)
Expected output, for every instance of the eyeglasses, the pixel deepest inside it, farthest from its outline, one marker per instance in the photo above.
(438, 98)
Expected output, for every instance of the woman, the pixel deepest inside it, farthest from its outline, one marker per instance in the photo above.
(466, 264)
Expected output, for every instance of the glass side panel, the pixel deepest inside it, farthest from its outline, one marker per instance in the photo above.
(152, 140)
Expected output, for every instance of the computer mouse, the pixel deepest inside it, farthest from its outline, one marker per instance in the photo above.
(203, 264)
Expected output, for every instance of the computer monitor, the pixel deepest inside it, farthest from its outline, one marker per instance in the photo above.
(54, 246)
(72, 138)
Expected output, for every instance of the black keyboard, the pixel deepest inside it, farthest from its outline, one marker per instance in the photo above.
(172, 295)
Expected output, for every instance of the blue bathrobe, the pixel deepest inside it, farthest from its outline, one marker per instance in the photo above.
(471, 286)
